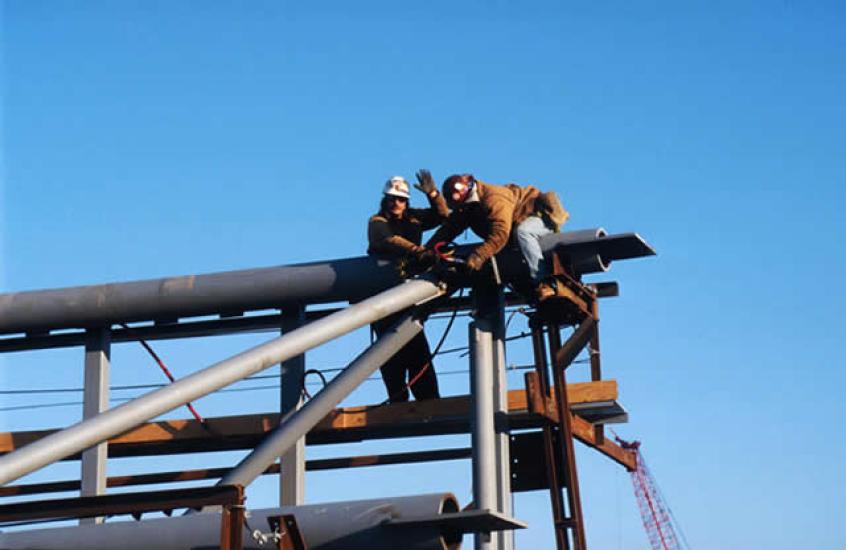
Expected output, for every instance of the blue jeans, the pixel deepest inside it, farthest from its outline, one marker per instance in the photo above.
(528, 234)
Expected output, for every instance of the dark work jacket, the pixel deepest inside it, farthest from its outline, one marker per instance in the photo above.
(397, 238)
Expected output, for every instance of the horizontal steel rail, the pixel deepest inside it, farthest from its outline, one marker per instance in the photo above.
(236, 292)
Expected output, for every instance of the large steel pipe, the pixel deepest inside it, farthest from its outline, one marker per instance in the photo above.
(299, 423)
(194, 295)
(484, 432)
(230, 292)
(572, 245)
(89, 432)
(331, 526)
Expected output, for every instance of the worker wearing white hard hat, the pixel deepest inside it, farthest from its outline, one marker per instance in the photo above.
(395, 233)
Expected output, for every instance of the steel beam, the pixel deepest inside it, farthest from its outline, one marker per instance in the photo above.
(299, 423)
(291, 378)
(231, 292)
(448, 415)
(114, 421)
(117, 504)
(95, 401)
(201, 328)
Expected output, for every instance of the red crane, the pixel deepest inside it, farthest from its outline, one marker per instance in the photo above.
(657, 517)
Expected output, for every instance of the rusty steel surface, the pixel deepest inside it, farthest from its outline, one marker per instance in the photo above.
(565, 355)
(232, 525)
(435, 417)
(595, 362)
(582, 430)
(126, 503)
(551, 459)
(575, 522)
(290, 537)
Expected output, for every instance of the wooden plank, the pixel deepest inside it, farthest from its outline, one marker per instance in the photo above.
(238, 432)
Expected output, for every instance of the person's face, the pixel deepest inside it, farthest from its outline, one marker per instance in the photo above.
(396, 205)
(459, 192)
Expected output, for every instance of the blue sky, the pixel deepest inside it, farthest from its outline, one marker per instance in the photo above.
(144, 139)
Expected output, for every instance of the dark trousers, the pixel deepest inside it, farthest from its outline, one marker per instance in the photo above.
(406, 365)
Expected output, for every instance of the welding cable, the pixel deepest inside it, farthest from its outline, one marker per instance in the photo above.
(443, 338)
(466, 349)
(522, 310)
(303, 389)
(240, 390)
(422, 371)
(166, 371)
(445, 250)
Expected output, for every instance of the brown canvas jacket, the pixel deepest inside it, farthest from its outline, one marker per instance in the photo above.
(402, 237)
(500, 207)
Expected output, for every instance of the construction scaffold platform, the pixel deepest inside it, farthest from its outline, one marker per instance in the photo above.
(522, 439)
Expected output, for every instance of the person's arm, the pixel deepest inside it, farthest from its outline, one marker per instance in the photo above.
(501, 217)
(437, 211)
(450, 229)
(383, 240)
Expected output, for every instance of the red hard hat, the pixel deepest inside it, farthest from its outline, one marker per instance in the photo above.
(458, 187)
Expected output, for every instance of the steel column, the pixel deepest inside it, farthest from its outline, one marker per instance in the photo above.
(552, 466)
(299, 423)
(484, 435)
(95, 401)
(80, 436)
(564, 355)
(502, 438)
(292, 463)
(596, 365)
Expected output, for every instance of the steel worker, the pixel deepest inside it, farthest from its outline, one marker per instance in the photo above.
(396, 233)
(497, 214)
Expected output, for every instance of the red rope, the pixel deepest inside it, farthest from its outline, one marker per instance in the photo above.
(166, 371)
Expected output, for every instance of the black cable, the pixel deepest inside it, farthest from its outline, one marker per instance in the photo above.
(252, 388)
(419, 374)
(320, 372)
(305, 375)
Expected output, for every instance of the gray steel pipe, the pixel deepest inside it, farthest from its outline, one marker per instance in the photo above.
(582, 261)
(349, 525)
(484, 431)
(230, 292)
(194, 295)
(299, 423)
(89, 432)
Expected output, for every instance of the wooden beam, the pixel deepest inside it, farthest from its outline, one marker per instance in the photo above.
(447, 415)
(584, 432)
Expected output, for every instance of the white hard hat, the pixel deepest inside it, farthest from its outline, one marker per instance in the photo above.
(397, 187)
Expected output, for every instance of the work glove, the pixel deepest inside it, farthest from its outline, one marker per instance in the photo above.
(474, 263)
(427, 258)
(461, 266)
(425, 182)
